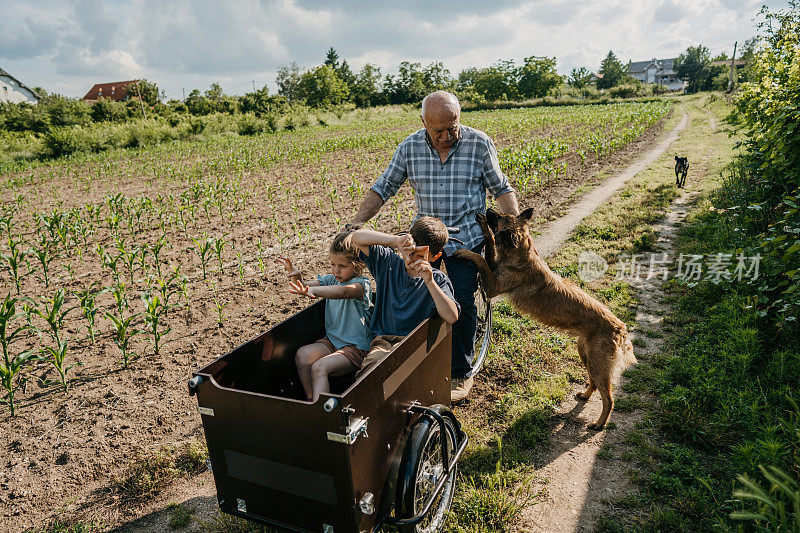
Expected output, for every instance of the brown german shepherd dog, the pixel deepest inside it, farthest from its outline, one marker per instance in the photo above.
(512, 265)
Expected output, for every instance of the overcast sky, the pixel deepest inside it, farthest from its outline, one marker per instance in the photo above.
(67, 46)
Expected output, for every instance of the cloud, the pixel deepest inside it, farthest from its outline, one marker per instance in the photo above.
(69, 44)
(670, 12)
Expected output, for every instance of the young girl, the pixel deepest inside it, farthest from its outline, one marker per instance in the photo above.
(347, 315)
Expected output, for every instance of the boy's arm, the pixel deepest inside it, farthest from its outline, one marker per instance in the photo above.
(364, 238)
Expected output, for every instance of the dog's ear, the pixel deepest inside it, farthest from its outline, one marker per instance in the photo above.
(492, 218)
(526, 215)
(676, 158)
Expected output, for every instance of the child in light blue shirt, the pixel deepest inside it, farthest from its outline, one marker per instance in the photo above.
(347, 316)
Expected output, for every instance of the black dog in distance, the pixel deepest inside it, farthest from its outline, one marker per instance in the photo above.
(681, 168)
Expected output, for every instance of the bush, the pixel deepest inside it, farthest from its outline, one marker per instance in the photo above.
(626, 90)
(59, 142)
(106, 110)
(249, 124)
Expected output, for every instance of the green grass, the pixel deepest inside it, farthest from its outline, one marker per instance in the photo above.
(150, 473)
(721, 405)
(180, 516)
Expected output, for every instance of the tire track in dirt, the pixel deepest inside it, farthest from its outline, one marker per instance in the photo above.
(581, 484)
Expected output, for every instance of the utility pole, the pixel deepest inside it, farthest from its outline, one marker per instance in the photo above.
(184, 94)
(139, 93)
(254, 85)
(733, 68)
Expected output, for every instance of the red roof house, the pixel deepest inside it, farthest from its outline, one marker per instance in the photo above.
(116, 90)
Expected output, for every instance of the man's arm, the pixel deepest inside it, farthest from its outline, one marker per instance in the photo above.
(508, 203)
(370, 206)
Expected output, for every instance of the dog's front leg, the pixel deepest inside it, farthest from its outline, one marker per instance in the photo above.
(489, 250)
(490, 283)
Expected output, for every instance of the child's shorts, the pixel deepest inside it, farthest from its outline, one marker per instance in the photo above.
(351, 351)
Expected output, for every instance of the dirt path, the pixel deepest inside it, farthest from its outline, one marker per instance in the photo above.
(585, 473)
(556, 232)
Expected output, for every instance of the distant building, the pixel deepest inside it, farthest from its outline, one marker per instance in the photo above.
(116, 90)
(737, 63)
(14, 91)
(657, 71)
(594, 77)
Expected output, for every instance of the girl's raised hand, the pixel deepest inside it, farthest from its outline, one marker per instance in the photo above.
(293, 273)
(300, 288)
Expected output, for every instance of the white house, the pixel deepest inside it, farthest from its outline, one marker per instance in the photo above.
(14, 91)
(657, 71)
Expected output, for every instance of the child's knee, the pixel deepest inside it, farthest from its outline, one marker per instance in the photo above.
(319, 369)
(303, 356)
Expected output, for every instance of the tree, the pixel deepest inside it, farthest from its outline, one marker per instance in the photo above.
(332, 58)
(365, 90)
(436, 77)
(322, 87)
(346, 75)
(694, 66)
(537, 77)
(498, 82)
(613, 72)
(579, 77)
(147, 91)
(466, 79)
(288, 81)
(260, 103)
(107, 110)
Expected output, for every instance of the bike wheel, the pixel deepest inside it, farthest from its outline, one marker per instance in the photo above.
(483, 331)
(422, 468)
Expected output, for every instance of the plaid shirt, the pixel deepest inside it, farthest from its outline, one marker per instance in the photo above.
(454, 191)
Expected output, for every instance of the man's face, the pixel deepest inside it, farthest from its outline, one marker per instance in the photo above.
(443, 129)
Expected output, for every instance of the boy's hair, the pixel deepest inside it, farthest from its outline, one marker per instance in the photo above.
(343, 245)
(430, 232)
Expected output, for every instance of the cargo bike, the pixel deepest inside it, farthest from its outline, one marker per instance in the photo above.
(379, 450)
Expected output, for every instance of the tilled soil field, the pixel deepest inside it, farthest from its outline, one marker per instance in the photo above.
(199, 225)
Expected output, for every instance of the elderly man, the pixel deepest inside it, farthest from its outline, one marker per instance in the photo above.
(450, 167)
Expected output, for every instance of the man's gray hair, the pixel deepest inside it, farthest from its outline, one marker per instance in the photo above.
(446, 98)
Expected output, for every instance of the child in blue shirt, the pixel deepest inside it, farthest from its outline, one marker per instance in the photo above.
(347, 317)
(408, 289)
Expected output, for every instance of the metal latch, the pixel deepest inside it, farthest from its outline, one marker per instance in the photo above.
(355, 429)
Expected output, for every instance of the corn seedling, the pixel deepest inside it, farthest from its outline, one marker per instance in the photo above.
(57, 356)
(261, 266)
(44, 254)
(155, 250)
(154, 308)
(14, 261)
(6, 221)
(86, 298)
(203, 249)
(124, 331)
(11, 364)
(174, 285)
(109, 262)
(219, 306)
(54, 313)
(219, 244)
(141, 258)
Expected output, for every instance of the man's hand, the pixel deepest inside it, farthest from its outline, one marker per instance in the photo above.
(293, 273)
(300, 288)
